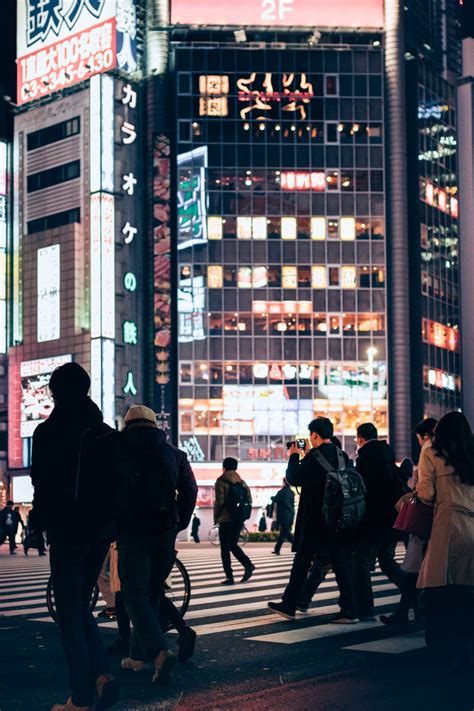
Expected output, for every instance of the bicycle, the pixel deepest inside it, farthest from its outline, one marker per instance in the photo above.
(177, 589)
(213, 536)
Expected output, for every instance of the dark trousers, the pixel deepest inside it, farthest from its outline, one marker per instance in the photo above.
(74, 573)
(195, 537)
(364, 554)
(229, 533)
(123, 620)
(11, 535)
(144, 563)
(449, 622)
(285, 535)
(317, 573)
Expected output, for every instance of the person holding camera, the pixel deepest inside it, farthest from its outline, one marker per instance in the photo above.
(315, 533)
(284, 501)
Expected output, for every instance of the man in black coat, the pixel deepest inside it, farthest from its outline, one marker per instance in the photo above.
(161, 502)
(10, 519)
(376, 538)
(284, 501)
(312, 535)
(75, 434)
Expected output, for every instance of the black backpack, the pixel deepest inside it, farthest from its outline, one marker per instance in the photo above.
(151, 492)
(238, 502)
(344, 493)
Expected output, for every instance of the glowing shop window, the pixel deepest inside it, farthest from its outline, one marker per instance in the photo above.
(348, 277)
(289, 277)
(347, 225)
(318, 228)
(244, 228)
(49, 315)
(244, 278)
(214, 227)
(318, 277)
(288, 227)
(215, 277)
(259, 227)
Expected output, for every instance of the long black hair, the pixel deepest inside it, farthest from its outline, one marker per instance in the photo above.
(453, 441)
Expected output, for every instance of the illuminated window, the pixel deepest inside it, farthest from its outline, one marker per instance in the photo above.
(318, 228)
(289, 277)
(186, 372)
(288, 227)
(318, 277)
(348, 228)
(259, 277)
(244, 278)
(215, 277)
(244, 228)
(333, 228)
(333, 276)
(214, 227)
(259, 227)
(332, 177)
(348, 277)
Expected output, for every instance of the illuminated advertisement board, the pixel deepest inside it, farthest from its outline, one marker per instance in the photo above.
(3, 247)
(36, 400)
(263, 410)
(63, 42)
(279, 13)
(48, 281)
(192, 224)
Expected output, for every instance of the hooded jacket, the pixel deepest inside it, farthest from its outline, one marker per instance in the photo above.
(55, 460)
(147, 449)
(222, 486)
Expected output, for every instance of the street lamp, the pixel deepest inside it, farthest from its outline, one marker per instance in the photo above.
(371, 352)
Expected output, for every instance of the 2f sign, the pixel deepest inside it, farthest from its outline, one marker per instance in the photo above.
(275, 9)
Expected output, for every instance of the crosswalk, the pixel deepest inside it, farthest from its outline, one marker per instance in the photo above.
(240, 609)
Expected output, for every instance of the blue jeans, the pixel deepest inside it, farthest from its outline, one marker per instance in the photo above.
(144, 564)
(74, 572)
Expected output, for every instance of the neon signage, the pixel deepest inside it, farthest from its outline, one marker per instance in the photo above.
(302, 180)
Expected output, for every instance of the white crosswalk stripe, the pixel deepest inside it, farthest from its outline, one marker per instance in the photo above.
(240, 609)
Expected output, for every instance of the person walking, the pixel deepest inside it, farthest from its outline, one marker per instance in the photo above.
(262, 523)
(313, 536)
(76, 480)
(233, 504)
(284, 501)
(375, 537)
(162, 497)
(446, 478)
(195, 528)
(10, 519)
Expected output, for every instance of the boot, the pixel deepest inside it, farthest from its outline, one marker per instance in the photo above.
(164, 664)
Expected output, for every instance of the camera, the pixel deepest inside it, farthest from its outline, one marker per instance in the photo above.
(300, 443)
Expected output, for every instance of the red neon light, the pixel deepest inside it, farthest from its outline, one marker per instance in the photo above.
(302, 180)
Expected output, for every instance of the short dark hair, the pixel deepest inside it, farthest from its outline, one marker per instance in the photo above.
(367, 431)
(426, 427)
(322, 426)
(9, 503)
(69, 382)
(230, 464)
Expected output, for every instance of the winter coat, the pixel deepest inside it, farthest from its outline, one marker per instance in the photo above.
(222, 486)
(55, 458)
(449, 559)
(375, 462)
(8, 514)
(285, 507)
(146, 448)
(308, 474)
(195, 526)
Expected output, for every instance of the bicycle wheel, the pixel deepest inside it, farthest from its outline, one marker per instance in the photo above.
(214, 535)
(178, 590)
(244, 536)
(51, 604)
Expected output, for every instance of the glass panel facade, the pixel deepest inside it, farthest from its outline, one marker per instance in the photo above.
(280, 303)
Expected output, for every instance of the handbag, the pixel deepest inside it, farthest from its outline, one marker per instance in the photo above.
(415, 517)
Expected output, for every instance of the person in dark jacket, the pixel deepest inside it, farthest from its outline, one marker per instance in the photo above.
(312, 535)
(196, 522)
(376, 538)
(262, 523)
(284, 501)
(77, 546)
(10, 519)
(161, 502)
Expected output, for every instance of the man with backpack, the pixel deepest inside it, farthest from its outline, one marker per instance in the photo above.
(10, 519)
(332, 503)
(232, 506)
(162, 494)
(75, 474)
(376, 538)
(284, 501)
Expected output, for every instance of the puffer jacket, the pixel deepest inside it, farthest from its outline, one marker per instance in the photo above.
(222, 486)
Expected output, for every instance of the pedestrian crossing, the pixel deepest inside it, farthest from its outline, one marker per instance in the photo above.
(239, 610)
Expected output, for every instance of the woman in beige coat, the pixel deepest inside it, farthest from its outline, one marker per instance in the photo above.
(446, 476)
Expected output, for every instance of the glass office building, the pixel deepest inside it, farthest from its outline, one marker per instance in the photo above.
(281, 245)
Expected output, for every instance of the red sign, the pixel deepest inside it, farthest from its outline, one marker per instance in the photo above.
(72, 59)
(302, 180)
(279, 13)
(437, 334)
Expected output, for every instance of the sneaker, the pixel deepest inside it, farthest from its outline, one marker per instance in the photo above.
(164, 664)
(227, 581)
(108, 613)
(118, 647)
(107, 692)
(14, 553)
(186, 644)
(248, 574)
(396, 618)
(342, 619)
(132, 664)
(281, 610)
(69, 706)
(302, 608)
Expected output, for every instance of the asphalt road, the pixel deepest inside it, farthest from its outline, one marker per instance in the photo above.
(246, 658)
